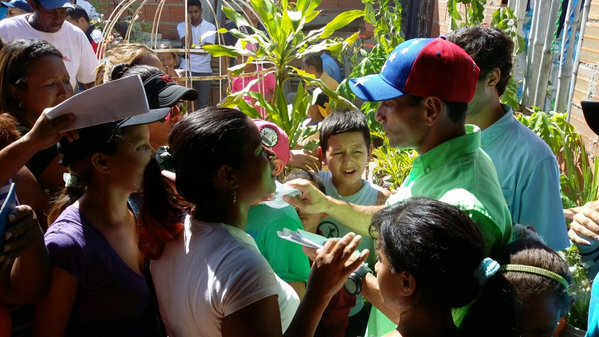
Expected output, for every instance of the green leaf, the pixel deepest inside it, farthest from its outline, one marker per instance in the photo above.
(341, 21)
(218, 50)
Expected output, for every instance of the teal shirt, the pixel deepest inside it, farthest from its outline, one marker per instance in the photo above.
(287, 259)
(460, 173)
(529, 177)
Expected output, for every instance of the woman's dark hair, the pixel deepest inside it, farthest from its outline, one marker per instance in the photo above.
(341, 122)
(442, 248)
(490, 48)
(16, 59)
(200, 144)
(534, 253)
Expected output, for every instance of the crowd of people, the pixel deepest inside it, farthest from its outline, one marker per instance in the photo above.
(167, 223)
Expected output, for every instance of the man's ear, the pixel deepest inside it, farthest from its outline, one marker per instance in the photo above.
(100, 163)
(493, 77)
(433, 106)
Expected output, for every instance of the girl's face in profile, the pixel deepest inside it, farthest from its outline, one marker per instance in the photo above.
(257, 178)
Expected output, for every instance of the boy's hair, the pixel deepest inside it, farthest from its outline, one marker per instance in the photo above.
(308, 175)
(76, 12)
(490, 48)
(341, 122)
(314, 60)
(196, 3)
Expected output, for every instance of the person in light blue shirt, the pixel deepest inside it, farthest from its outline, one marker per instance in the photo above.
(331, 67)
(526, 166)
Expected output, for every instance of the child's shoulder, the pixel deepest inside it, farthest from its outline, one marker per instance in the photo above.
(382, 193)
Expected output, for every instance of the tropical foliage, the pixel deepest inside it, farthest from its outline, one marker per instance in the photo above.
(280, 46)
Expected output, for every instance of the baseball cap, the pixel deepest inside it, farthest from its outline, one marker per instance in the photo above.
(54, 4)
(590, 110)
(422, 67)
(274, 138)
(162, 92)
(20, 4)
(92, 139)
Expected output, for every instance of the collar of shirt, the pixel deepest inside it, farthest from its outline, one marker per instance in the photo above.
(440, 155)
(499, 128)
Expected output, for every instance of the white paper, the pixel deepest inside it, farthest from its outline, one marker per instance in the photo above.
(282, 190)
(108, 102)
(303, 238)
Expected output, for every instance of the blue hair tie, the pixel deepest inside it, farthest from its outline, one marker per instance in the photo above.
(485, 270)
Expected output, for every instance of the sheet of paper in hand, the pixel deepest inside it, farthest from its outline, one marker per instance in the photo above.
(111, 101)
(303, 238)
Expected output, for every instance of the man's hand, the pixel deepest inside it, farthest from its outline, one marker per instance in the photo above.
(312, 200)
(585, 224)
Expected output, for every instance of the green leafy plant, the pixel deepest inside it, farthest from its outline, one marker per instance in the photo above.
(392, 164)
(385, 16)
(473, 13)
(283, 43)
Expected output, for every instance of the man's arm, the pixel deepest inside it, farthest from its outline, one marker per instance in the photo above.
(312, 201)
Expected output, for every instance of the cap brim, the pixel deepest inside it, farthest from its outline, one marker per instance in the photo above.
(590, 111)
(154, 115)
(373, 88)
(172, 94)
(7, 4)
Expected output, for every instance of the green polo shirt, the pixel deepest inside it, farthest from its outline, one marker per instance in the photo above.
(459, 173)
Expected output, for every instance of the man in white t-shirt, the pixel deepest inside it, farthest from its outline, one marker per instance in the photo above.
(47, 22)
(198, 64)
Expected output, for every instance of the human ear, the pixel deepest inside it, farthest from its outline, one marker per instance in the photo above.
(493, 77)
(225, 178)
(406, 284)
(433, 106)
(16, 94)
(100, 163)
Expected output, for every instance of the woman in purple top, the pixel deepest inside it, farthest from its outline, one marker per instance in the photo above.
(98, 285)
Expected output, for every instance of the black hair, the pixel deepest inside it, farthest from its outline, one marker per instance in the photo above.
(490, 48)
(16, 59)
(199, 144)
(342, 122)
(77, 12)
(196, 3)
(308, 175)
(442, 248)
(315, 61)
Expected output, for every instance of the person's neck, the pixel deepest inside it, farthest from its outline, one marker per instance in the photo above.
(348, 190)
(493, 111)
(34, 22)
(223, 211)
(106, 208)
(426, 322)
(197, 24)
(437, 137)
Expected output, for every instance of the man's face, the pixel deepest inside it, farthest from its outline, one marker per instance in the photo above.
(49, 21)
(76, 23)
(403, 121)
(195, 15)
(480, 100)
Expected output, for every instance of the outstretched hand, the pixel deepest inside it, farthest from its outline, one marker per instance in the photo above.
(334, 263)
(311, 201)
(585, 224)
(301, 159)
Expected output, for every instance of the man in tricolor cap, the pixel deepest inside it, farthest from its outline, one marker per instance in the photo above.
(424, 89)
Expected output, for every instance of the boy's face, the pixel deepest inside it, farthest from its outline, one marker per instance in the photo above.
(195, 15)
(346, 157)
(168, 60)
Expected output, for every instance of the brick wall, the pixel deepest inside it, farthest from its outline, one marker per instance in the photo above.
(173, 12)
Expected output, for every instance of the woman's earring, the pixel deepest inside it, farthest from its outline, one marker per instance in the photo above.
(234, 194)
